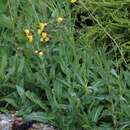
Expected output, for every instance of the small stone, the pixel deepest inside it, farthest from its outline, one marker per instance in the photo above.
(6, 121)
(40, 126)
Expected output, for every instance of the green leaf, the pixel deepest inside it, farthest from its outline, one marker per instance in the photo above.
(3, 64)
(21, 65)
(39, 116)
(3, 6)
(9, 101)
(3, 110)
(5, 21)
(95, 113)
(20, 91)
(35, 99)
(127, 77)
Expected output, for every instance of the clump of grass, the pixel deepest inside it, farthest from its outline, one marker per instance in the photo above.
(75, 82)
(107, 24)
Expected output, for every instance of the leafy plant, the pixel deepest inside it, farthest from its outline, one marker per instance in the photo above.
(81, 80)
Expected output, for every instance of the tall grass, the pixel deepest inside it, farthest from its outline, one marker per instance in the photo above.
(82, 80)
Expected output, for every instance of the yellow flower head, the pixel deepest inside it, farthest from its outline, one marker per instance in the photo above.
(40, 53)
(30, 38)
(60, 19)
(45, 24)
(73, 1)
(26, 31)
(46, 39)
(42, 26)
(36, 52)
(41, 39)
(44, 35)
(39, 31)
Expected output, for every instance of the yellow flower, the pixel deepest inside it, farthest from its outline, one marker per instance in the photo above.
(40, 53)
(42, 26)
(59, 19)
(41, 39)
(73, 1)
(46, 39)
(30, 38)
(44, 35)
(26, 31)
(39, 31)
(36, 51)
(45, 24)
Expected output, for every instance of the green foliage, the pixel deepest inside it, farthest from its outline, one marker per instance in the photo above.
(82, 81)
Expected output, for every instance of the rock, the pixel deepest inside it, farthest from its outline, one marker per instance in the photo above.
(9, 121)
(6, 121)
(40, 126)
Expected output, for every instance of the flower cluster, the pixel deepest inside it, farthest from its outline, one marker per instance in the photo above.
(29, 35)
(42, 34)
(41, 27)
(44, 37)
(41, 31)
(39, 52)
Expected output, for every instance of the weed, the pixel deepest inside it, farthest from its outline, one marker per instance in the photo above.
(79, 79)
